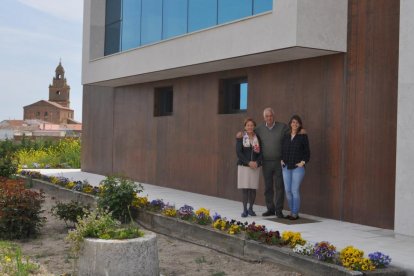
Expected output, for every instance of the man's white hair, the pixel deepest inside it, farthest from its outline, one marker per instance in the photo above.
(268, 109)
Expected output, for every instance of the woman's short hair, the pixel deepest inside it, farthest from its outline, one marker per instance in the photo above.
(298, 119)
(249, 120)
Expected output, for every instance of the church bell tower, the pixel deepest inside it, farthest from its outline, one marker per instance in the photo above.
(59, 90)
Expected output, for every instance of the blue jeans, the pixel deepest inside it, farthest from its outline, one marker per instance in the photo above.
(293, 179)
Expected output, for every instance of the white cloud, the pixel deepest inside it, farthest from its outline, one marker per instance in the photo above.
(71, 10)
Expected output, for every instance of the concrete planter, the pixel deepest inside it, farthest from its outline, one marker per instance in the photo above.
(240, 246)
(120, 257)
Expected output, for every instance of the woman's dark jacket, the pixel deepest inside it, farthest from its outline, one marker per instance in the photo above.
(295, 150)
(246, 154)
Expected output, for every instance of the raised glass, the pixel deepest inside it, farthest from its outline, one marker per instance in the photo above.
(230, 10)
(113, 11)
(201, 14)
(131, 24)
(260, 6)
(112, 37)
(174, 19)
(151, 21)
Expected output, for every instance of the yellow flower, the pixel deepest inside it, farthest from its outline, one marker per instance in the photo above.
(70, 185)
(203, 211)
(293, 238)
(170, 212)
(140, 202)
(7, 259)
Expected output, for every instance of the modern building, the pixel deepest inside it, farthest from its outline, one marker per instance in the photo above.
(57, 109)
(167, 84)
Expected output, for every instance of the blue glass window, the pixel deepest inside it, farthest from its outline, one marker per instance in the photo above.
(174, 21)
(201, 14)
(260, 6)
(113, 11)
(243, 95)
(151, 21)
(131, 24)
(112, 26)
(112, 38)
(233, 94)
(229, 10)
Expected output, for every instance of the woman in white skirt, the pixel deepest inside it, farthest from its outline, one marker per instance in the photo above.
(250, 158)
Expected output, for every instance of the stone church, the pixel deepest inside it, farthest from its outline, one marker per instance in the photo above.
(57, 109)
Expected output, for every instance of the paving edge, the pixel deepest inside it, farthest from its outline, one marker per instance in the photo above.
(234, 245)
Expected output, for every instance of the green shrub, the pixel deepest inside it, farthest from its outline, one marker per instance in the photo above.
(100, 224)
(70, 212)
(20, 210)
(117, 195)
(8, 160)
(12, 263)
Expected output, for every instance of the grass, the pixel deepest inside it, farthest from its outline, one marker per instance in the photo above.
(12, 262)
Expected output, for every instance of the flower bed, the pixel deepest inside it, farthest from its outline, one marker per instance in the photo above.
(253, 241)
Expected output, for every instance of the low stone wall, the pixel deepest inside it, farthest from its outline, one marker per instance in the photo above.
(235, 245)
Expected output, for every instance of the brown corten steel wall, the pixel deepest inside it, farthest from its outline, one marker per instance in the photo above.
(97, 129)
(194, 149)
(347, 103)
(371, 112)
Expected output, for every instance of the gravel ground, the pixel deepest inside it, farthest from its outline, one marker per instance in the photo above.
(176, 257)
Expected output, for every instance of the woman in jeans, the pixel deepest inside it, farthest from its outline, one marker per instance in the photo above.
(295, 154)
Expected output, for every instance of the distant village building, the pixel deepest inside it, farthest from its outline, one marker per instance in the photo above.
(37, 129)
(52, 119)
(57, 109)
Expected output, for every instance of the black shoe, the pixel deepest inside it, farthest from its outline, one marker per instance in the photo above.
(293, 217)
(244, 214)
(268, 213)
(251, 213)
(281, 216)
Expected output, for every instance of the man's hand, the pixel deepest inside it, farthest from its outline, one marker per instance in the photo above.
(303, 131)
(239, 135)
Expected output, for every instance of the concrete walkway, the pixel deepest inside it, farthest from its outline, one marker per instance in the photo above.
(399, 247)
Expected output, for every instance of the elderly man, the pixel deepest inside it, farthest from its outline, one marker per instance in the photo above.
(271, 134)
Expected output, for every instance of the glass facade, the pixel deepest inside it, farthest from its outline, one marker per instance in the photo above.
(133, 23)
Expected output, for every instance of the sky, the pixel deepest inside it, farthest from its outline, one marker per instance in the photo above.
(34, 36)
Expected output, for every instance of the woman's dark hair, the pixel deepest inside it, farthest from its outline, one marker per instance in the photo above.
(249, 120)
(298, 119)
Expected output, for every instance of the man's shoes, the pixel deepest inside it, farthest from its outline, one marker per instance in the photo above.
(268, 213)
(244, 214)
(251, 213)
(293, 217)
(281, 216)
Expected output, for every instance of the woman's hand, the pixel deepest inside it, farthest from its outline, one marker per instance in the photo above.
(300, 164)
(253, 165)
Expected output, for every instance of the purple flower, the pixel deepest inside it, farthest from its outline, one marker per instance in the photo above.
(379, 259)
(216, 216)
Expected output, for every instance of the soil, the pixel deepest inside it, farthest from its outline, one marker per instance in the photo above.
(176, 257)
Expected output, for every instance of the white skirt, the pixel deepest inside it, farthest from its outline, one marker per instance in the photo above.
(247, 178)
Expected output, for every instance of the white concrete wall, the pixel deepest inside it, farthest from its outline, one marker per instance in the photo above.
(322, 26)
(404, 188)
(6, 134)
(318, 20)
